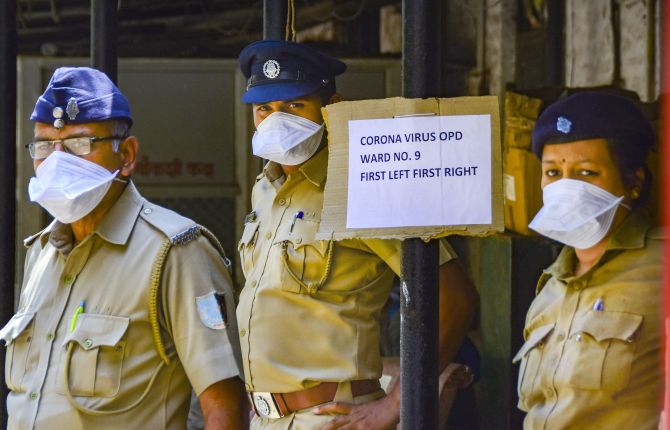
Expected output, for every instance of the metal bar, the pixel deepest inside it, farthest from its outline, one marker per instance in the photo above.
(274, 19)
(8, 48)
(420, 274)
(553, 53)
(104, 34)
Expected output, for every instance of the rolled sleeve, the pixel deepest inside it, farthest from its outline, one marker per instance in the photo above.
(208, 355)
(389, 250)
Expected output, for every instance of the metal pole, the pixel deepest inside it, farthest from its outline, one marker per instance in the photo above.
(420, 273)
(7, 171)
(104, 30)
(274, 19)
(553, 54)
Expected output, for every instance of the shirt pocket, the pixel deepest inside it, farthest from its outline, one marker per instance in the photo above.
(304, 261)
(600, 350)
(17, 334)
(247, 246)
(530, 356)
(98, 347)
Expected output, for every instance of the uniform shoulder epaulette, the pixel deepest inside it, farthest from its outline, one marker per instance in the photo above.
(179, 229)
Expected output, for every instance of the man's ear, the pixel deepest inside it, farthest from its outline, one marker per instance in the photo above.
(128, 150)
(335, 98)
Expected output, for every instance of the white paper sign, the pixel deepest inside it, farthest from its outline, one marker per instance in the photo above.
(419, 171)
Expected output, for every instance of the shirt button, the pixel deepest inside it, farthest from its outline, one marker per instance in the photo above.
(243, 332)
(67, 279)
(282, 202)
(88, 343)
(549, 393)
(560, 336)
(147, 211)
(33, 396)
(298, 240)
(578, 338)
(254, 284)
(268, 235)
(50, 336)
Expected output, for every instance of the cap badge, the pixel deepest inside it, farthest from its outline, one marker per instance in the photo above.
(563, 125)
(271, 69)
(59, 123)
(72, 109)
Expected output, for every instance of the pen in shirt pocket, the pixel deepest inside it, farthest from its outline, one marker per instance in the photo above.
(599, 305)
(79, 310)
(298, 215)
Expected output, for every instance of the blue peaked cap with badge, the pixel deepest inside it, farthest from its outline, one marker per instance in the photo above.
(79, 95)
(283, 70)
(592, 115)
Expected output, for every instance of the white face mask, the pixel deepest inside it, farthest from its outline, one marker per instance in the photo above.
(69, 187)
(576, 213)
(287, 139)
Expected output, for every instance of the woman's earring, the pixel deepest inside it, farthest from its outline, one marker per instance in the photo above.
(635, 193)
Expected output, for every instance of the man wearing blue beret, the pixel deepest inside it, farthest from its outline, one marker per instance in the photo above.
(126, 307)
(310, 309)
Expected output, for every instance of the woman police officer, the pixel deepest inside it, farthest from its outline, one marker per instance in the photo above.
(591, 356)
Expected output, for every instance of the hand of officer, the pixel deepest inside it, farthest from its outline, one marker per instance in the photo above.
(380, 414)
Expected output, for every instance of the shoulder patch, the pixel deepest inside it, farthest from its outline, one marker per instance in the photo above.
(212, 310)
(174, 226)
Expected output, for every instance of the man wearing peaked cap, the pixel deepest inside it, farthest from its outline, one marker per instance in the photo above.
(309, 311)
(126, 307)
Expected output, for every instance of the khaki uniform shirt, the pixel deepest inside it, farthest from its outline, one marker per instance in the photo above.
(309, 311)
(113, 355)
(591, 357)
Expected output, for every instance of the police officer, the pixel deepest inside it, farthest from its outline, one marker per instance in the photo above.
(591, 356)
(125, 305)
(309, 312)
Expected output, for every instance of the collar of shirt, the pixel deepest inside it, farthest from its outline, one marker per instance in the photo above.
(630, 235)
(314, 170)
(114, 228)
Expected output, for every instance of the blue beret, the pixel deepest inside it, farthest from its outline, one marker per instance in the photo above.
(282, 70)
(592, 115)
(79, 95)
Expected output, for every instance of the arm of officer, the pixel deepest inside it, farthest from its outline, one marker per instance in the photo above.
(457, 304)
(224, 405)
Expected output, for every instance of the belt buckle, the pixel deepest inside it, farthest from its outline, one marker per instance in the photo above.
(265, 405)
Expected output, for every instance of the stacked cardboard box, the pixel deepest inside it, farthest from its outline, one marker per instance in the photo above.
(521, 169)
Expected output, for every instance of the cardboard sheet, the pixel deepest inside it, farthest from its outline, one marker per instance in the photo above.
(410, 183)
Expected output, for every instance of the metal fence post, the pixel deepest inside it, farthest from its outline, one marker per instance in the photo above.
(104, 30)
(420, 273)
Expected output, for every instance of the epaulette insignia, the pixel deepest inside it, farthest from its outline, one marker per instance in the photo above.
(186, 236)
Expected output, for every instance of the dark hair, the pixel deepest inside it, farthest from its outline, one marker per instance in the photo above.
(327, 91)
(629, 158)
